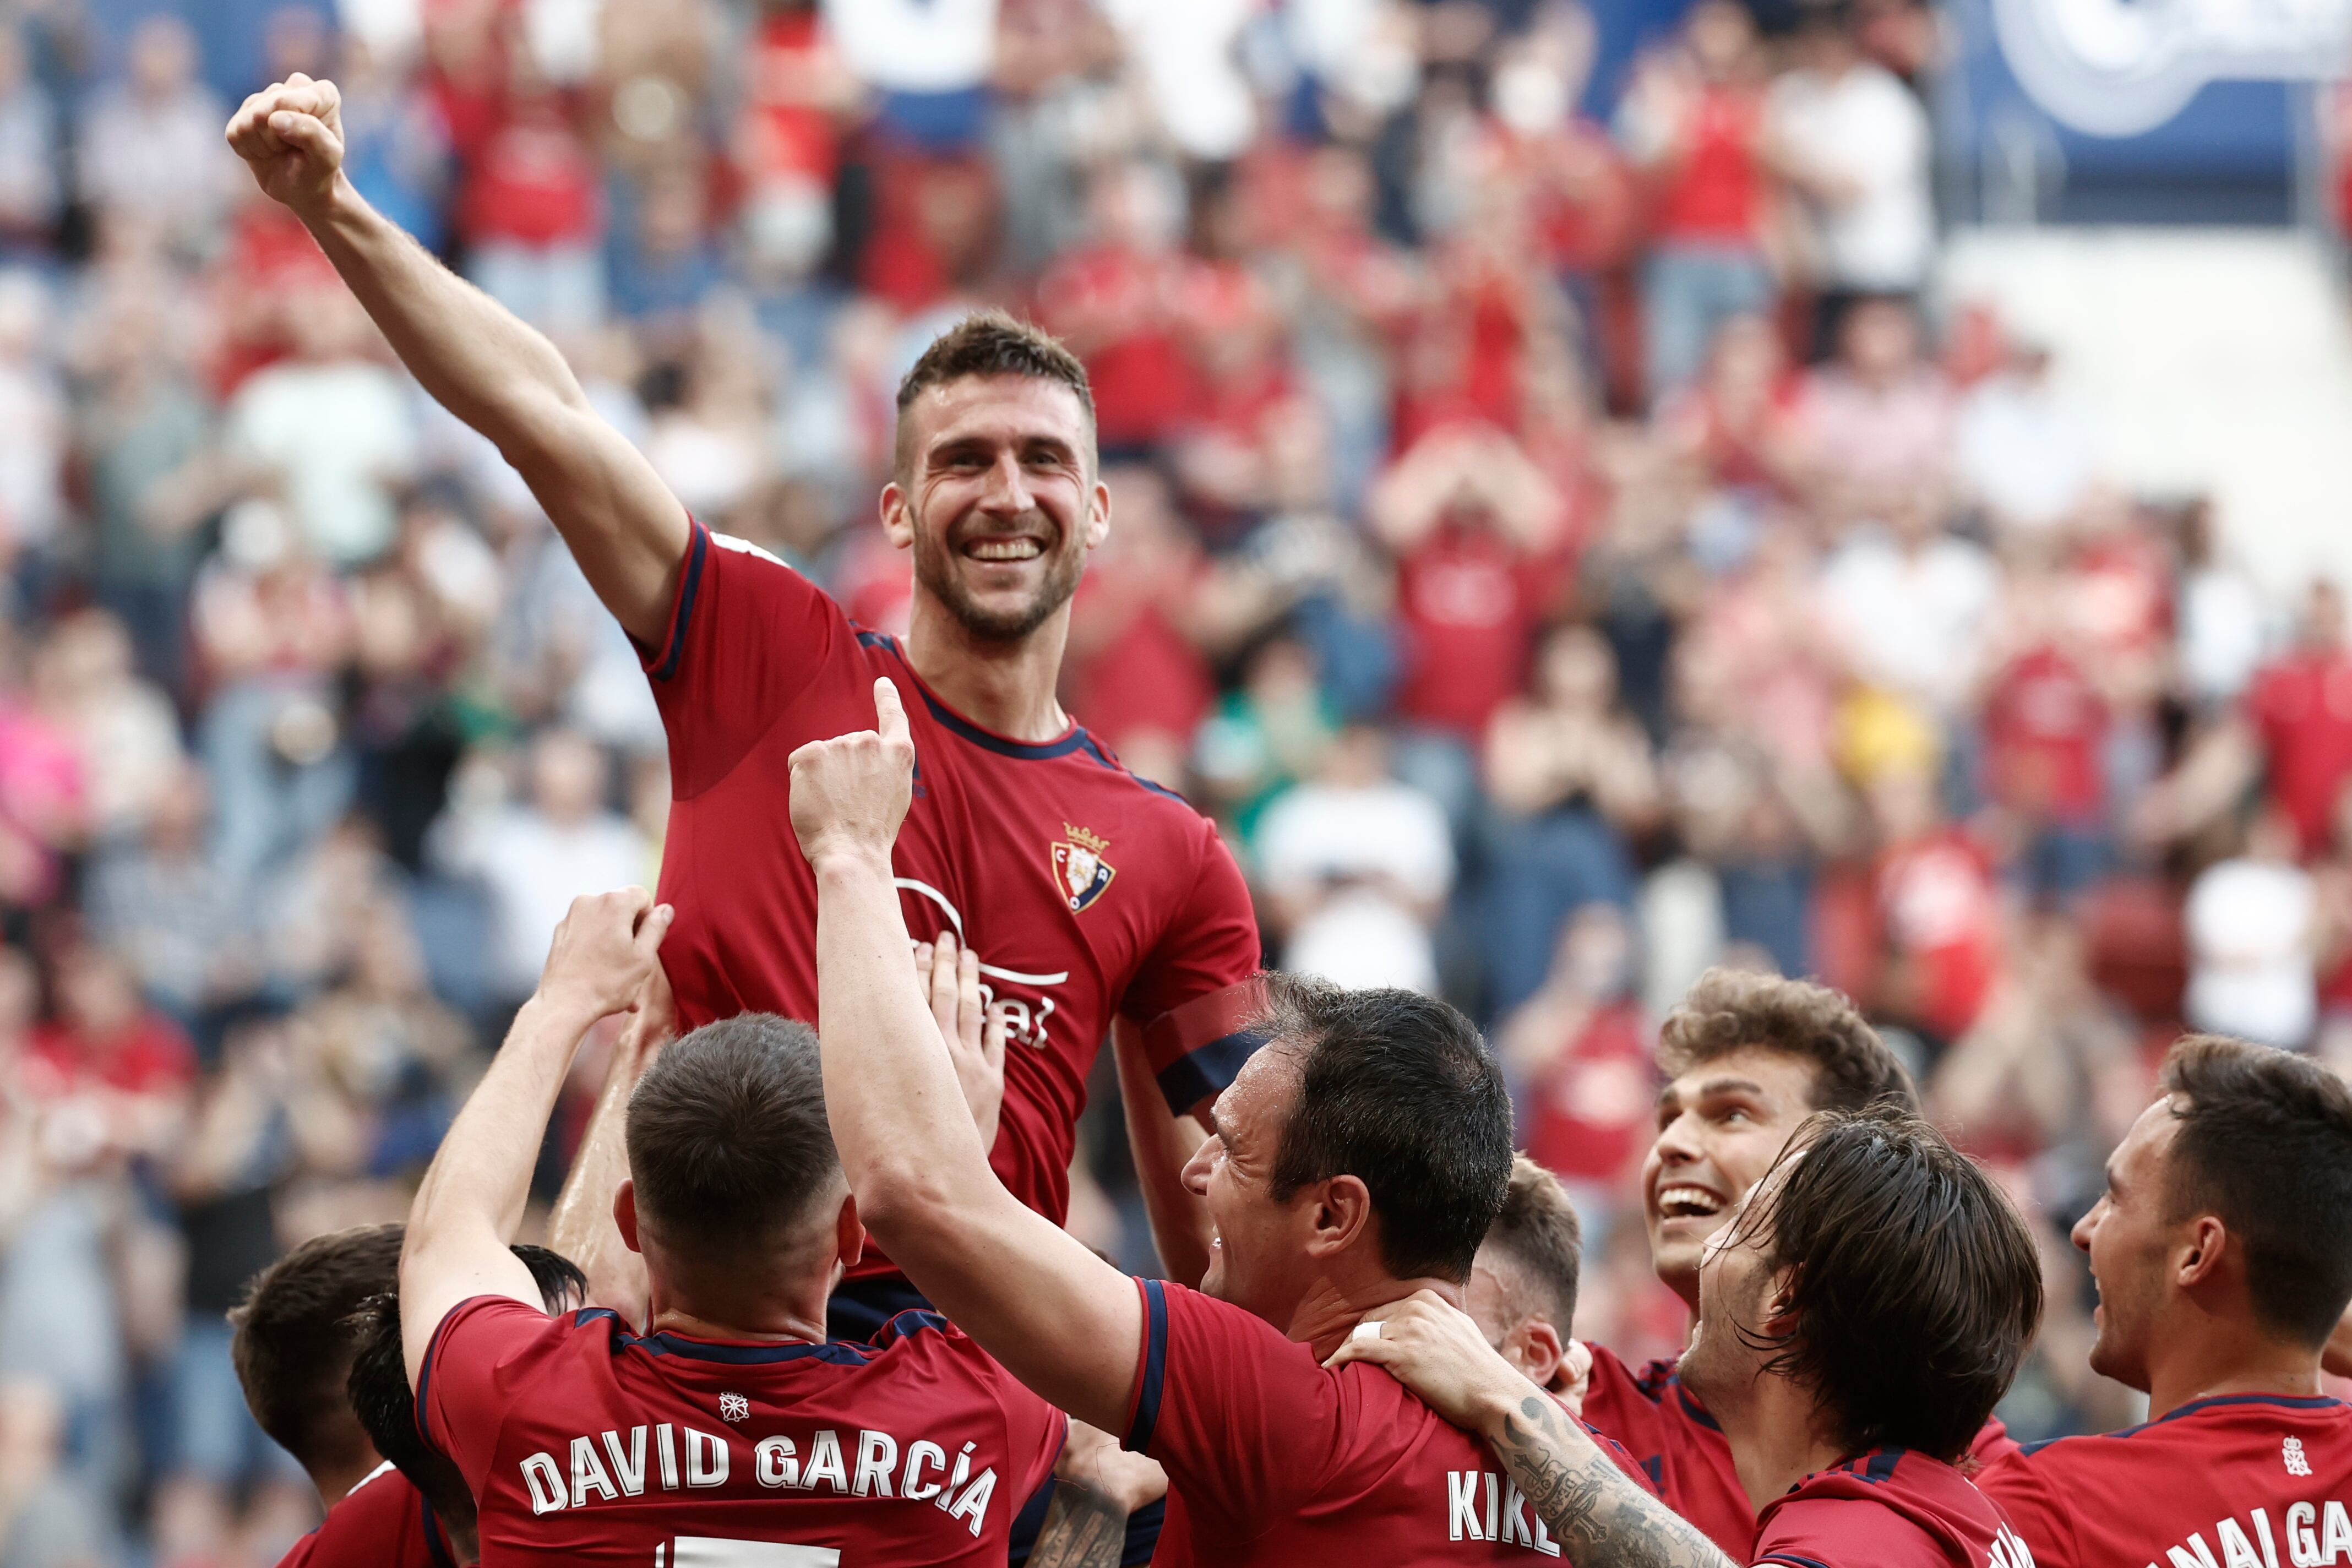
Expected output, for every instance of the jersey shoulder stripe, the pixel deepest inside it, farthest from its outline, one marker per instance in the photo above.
(1152, 1374)
(745, 547)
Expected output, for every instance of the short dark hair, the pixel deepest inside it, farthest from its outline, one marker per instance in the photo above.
(1916, 1284)
(2266, 1142)
(990, 343)
(726, 1134)
(292, 1345)
(1538, 1232)
(377, 1385)
(1398, 1089)
(1739, 1010)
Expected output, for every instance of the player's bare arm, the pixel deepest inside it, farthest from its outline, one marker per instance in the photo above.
(471, 1199)
(1163, 1145)
(1062, 1321)
(507, 381)
(1099, 1484)
(1601, 1518)
(582, 1226)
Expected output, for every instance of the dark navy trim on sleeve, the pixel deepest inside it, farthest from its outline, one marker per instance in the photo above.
(1155, 1367)
(1205, 1070)
(435, 1544)
(696, 553)
(1791, 1557)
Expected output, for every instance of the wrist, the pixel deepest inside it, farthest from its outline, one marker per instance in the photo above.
(1502, 1398)
(848, 859)
(335, 204)
(560, 1006)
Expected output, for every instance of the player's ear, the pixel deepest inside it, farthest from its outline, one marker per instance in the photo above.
(1097, 514)
(624, 1214)
(848, 1233)
(898, 516)
(1535, 1345)
(1341, 1217)
(2200, 1257)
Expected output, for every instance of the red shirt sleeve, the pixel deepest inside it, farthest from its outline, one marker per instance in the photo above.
(1213, 1382)
(486, 1350)
(746, 636)
(1845, 1531)
(1194, 994)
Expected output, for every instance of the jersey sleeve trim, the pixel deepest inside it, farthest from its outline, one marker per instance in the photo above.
(1792, 1559)
(424, 1373)
(1151, 1369)
(662, 664)
(1204, 1042)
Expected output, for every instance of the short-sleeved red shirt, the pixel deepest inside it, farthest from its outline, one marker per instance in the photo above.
(1089, 893)
(382, 1522)
(2237, 1479)
(587, 1444)
(1273, 1460)
(2303, 707)
(1890, 1508)
(1676, 1442)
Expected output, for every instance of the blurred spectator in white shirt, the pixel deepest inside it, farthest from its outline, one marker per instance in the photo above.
(33, 419)
(1854, 141)
(1909, 604)
(1357, 865)
(30, 196)
(535, 858)
(2252, 939)
(2027, 450)
(335, 429)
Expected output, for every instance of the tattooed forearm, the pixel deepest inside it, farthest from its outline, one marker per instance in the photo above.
(1083, 1528)
(1601, 1519)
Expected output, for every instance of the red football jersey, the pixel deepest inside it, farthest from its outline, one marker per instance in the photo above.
(1271, 1460)
(382, 1522)
(1676, 1442)
(1086, 892)
(2235, 1481)
(1890, 1508)
(587, 1444)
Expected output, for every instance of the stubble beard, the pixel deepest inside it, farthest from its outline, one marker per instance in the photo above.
(935, 570)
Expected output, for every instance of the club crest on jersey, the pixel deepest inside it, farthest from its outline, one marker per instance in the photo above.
(2292, 1452)
(734, 1407)
(1079, 867)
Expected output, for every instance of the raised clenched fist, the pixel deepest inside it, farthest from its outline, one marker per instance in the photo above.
(291, 135)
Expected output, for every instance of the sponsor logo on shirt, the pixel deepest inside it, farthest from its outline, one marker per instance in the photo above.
(2292, 1452)
(1025, 1017)
(1079, 866)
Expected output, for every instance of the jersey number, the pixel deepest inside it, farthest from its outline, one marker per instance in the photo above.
(717, 1551)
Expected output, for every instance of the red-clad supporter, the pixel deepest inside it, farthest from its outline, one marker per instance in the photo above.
(1938, 907)
(1361, 1154)
(1099, 902)
(106, 1038)
(2223, 1253)
(2045, 739)
(1582, 1054)
(2301, 706)
(1869, 1303)
(1483, 552)
(1131, 668)
(1117, 302)
(1737, 419)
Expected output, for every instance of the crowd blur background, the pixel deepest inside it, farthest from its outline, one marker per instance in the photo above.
(1565, 532)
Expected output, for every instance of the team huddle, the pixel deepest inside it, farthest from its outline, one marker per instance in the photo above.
(808, 1300)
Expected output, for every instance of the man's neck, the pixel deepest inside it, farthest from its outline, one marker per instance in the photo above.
(1007, 687)
(335, 1481)
(1776, 1435)
(2200, 1365)
(794, 1318)
(1329, 1311)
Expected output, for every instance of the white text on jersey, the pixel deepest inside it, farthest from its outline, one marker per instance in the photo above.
(2316, 1533)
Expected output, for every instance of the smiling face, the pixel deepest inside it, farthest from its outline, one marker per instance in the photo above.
(1258, 1243)
(1720, 1126)
(997, 498)
(2129, 1235)
(1728, 1292)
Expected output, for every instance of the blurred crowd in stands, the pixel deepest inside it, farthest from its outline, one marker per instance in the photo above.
(1563, 549)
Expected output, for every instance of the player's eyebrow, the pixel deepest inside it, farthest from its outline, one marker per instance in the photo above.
(1716, 1086)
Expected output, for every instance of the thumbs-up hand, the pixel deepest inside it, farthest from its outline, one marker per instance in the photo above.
(850, 793)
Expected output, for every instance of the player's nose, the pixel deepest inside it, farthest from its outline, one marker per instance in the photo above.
(1007, 489)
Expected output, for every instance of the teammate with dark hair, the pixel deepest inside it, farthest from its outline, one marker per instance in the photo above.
(731, 1427)
(1359, 1155)
(2222, 1253)
(386, 1406)
(1095, 905)
(1858, 1318)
